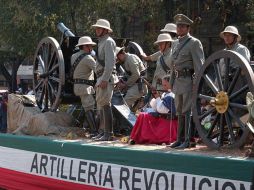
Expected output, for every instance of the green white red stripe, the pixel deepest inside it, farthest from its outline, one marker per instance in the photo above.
(38, 163)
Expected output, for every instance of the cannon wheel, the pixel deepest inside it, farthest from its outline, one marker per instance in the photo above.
(48, 74)
(220, 112)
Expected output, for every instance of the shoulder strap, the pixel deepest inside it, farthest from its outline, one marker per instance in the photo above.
(163, 64)
(77, 61)
(178, 51)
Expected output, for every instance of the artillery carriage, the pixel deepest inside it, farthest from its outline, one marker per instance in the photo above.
(220, 87)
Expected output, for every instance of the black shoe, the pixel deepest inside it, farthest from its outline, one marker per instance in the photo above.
(98, 136)
(131, 142)
(175, 144)
(184, 145)
(105, 137)
(92, 135)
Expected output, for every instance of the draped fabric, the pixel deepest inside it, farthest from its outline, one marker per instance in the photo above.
(154, 130)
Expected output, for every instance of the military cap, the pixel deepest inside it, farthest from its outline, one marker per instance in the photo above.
(182, 19)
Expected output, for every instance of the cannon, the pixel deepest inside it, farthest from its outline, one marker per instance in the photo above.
(219, 96)
(52, 66)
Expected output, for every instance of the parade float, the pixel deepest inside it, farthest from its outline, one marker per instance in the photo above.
(43, 151)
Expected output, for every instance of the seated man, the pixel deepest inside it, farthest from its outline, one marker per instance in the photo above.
(134, 69)
(157, 128)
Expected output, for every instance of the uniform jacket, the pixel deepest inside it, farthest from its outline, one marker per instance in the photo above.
(134, 66)
(159, 71)
(191, 56)
(241, 49)
(106, 53)
(84, 70)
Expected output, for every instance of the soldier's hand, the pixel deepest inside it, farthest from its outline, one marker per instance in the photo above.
(145, 57)
(103, 84)
(121, 85)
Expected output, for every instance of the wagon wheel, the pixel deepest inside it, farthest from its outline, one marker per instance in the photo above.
(48, 74)
(219, 110)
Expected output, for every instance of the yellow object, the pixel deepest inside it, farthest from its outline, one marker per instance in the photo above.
(220, 102)
(125, 139)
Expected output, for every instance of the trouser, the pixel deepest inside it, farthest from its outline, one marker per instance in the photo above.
(133, 94)
(183, 108)
(107, 118)
(90, 117)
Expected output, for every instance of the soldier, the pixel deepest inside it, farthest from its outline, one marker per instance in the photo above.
(232, 41)
(187, 59)
(164, 41)
(135, 69)
(83, 65)
(169, 28)
(106, 77)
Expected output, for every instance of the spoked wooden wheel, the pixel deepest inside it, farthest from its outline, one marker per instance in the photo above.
(219, 110)
(48, 74)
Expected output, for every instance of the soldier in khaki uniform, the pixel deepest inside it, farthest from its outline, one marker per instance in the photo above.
(135, 69)
(164, 41)
(169, 28)
(232, 41)
(106, 77)
(187, 59)
(83, 75)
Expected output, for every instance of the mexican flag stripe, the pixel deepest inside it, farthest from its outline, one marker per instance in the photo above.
(46, 161)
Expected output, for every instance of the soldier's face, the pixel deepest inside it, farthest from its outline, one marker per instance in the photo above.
(165, 84)
(162, 46)
(182, 29)
(98, 31)
(228, 38)
(120, 57)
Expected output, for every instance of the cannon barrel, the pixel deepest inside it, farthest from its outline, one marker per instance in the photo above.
(66, 31)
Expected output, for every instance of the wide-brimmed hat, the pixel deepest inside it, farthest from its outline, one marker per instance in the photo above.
(103, 23)
(170, 27)
(182, 19)
(232, 30)
(118, 49)
(163, 38)
(85, 40)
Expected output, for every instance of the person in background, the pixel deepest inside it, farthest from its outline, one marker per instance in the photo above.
(106, 77)
(158, 125)
(3, 113)
(30, 90)
(83, 66)
(169, 28)
(232, 40)
(164, 42)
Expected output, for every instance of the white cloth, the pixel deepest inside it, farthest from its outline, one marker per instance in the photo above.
(157, 103)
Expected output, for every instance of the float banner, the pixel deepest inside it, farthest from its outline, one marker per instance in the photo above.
(26, 164)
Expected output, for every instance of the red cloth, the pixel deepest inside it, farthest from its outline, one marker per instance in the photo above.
(154, 130)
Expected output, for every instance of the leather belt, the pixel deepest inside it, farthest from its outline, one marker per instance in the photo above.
(100, 73)
(84, 81)
(184, 73)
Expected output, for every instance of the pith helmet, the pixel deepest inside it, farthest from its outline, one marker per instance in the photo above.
(182, 19)
(170, 27)
(85, 40)
(103, 23)
(118, 49)
(163, 38)
(232, 30)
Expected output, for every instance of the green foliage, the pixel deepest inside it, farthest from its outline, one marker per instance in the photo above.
(25, 23)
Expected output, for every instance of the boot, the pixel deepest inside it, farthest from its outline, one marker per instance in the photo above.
(101, 127)
(92, 124)
(179, 132)
(187, 132)
(108, 118)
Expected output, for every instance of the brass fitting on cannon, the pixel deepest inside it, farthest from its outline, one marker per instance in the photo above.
(220, 102)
